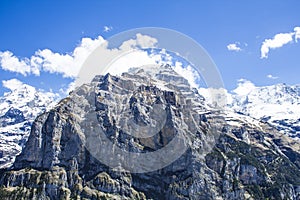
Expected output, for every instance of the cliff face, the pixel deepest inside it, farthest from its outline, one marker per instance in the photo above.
(220, 155)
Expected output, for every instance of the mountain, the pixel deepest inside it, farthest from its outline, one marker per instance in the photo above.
(18, 109)
(277, 104)
(130, 123)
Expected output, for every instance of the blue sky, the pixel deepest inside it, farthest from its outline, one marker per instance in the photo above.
(29, 26)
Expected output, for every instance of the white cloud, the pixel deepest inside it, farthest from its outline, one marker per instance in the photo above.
(55, 62)
(45, 60)
(270, 76)
(188, 73)
(70, 64)
(138, 58)
(214, 96)
(9, 62)
(107, 28)
(233, 47)
(12, 84)
(141, 41)
(244, 87)
(278, 41)
(109, 56)
(130, 60)
(127, 55)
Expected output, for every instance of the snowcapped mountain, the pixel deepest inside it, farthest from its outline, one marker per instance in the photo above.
(99, 141)
(18, 109)
(277, 104)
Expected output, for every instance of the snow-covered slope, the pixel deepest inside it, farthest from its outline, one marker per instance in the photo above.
(18, 109)
(279, 101)
(277, 104)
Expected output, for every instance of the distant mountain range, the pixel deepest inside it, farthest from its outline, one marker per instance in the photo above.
(18, 109)
(277, 104)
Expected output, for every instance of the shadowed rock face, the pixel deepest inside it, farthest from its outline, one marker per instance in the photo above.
(236, 158)
(11, 117)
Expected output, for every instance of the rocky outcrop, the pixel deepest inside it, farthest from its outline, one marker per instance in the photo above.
(232, 157)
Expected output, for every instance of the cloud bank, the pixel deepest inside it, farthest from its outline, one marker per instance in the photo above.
(244, 87)
(67, 65)
(128, 54)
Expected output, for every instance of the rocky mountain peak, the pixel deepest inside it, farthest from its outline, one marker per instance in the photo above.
(147, 135)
